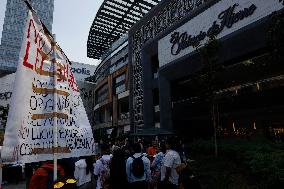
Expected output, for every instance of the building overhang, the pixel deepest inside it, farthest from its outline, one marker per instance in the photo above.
(113, 19)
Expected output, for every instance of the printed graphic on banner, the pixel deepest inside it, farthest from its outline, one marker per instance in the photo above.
(29, 135)
(6, 87)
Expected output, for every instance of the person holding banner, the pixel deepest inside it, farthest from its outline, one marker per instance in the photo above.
(43, 176)
(83, 172)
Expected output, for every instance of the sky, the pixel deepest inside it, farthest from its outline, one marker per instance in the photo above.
(72, 20)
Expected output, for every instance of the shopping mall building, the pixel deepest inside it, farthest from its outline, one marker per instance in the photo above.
(191, 65)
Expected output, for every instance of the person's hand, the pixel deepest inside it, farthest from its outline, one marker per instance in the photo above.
(180, 167)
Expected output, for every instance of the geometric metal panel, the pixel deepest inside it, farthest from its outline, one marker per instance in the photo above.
(113, 19)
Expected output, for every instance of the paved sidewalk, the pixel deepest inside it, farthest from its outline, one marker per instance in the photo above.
(20, 185)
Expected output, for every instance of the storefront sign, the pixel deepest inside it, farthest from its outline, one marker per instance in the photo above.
(181, 41)
(83, 71)
(223, 18)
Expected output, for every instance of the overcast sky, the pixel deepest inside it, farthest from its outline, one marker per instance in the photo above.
(71, 24)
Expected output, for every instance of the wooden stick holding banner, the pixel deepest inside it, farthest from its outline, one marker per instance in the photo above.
(55, 126)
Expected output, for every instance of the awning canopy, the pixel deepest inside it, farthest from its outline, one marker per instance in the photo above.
(153, 132)
(114, 18)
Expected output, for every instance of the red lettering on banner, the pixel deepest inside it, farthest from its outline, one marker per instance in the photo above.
(72, 83)
(63, 70)
(26, 63)
(38, 41)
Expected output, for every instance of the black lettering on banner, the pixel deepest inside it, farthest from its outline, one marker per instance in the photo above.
(36, 122)
(76, 101)
(36, 103)
(35, 134)
(25, 149)
(59, 104)
(43, 139)
(181, 41)
(5, 96)
(42, 133)
(33, 103)
(48, 121)
(48, 105)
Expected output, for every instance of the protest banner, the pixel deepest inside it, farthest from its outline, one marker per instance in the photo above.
(45, 94)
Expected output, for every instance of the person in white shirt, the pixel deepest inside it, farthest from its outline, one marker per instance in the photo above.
(82, 173)
(140, 178)
(102, 168)
(171, 161)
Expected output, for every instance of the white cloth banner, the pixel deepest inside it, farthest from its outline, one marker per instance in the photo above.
(29, 131)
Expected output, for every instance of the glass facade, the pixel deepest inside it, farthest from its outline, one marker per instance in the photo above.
(14, 23)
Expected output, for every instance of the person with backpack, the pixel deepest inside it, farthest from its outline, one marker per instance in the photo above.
(83, 172)
(102, 168)
(138, 169)
(118, 178)
(43, 176)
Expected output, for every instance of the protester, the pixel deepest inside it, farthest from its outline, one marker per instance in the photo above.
(117, 170)
(126, 147)
(83, 172)
(29, 171)
(138, 169)
(152, 150)
(68, 165)
(43, 176)
(115, 146)
(171, 161)
(102, 168)
(157, 164)
(182, 152)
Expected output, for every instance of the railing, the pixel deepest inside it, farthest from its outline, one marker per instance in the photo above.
(103, 125)
(122, 122)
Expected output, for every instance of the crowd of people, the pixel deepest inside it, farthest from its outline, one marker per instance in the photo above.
(122, 165)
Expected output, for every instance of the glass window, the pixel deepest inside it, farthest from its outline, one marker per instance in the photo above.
(120, 78)
(120, 89)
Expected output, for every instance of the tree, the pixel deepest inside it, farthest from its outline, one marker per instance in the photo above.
(207, 76)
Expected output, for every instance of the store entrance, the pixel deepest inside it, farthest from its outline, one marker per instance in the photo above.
(247, 97)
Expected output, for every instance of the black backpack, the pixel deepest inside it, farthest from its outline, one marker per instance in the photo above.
(138, 167)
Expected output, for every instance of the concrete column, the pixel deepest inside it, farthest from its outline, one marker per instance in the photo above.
(148, 109)
(114, 110)
(165, 104)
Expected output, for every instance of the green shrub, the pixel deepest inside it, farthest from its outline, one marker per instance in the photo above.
(263, 160)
